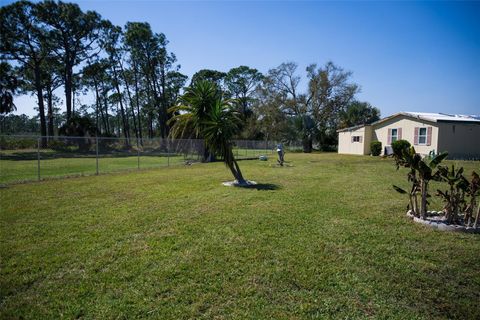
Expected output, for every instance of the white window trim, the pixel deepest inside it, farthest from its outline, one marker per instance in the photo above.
(358, 137)
(420, 135)
(396, 135)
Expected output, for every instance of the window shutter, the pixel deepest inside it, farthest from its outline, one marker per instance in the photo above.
(389, 139)
(351, 139)
(399, 134)
(415, 137)
(429, 136)
(360, 139)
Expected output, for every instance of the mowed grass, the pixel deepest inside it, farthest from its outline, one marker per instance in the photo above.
(12, 171)
(325, 237)
(54, 166)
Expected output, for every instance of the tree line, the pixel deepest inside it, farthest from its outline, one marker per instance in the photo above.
(53, 46)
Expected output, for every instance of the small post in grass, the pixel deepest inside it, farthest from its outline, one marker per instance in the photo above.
(38, 158)
(168, 153)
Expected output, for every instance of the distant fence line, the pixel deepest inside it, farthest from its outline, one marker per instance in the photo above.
(28, 157)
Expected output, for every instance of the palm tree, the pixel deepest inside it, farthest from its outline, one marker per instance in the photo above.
(203, 111)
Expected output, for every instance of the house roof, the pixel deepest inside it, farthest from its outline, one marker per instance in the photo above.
(432, 117)
(442, 117)
(354, 127)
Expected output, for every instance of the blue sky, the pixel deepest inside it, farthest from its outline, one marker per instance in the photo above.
(406, 56)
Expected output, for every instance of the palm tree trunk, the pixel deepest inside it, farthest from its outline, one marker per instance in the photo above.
(239, 177)
(234, 168)
(307, 145)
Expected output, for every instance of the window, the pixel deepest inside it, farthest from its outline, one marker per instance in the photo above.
(356, 139)
(394, 135)
(422, 136)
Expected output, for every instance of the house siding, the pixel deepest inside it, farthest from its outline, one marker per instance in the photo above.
(460, 140)
(346, 146)
(408, 125)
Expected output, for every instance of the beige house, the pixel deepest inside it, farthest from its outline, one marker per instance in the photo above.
(427, 132)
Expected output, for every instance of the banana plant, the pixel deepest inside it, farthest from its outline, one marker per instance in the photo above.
(426, 172)
(472, 191)
(422, 171)
(454, 198)
(408, 158)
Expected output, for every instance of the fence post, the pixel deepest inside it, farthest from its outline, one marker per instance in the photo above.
(168, 153)
(38, 158)
(96, 154)
(138, 155)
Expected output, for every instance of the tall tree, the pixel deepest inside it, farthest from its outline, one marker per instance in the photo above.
(313, 115)
(50, 80)
(24, 38)
(241, 83)
(150, 58)
(142, 46)
(73, 33)
(329, 93)
(270, 118)
(358, 113)
(15, 124)
(166, 63)
(110, 42)
(209, 75)
(8, 87)
(92, 76)
(282, 84)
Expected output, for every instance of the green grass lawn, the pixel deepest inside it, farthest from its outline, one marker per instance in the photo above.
(26, 170)
(15, 168)
(327, 238)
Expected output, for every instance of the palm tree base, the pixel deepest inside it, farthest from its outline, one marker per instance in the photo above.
(235, 183)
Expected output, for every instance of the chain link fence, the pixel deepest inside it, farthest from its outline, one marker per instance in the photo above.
(29, 158)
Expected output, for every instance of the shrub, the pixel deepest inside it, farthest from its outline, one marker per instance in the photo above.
(58, 145)
(376, 148)
(15, 143)
(399, 145)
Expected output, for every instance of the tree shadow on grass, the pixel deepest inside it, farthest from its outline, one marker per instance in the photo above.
(263, 186)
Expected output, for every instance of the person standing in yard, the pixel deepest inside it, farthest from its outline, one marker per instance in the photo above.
(280, 154)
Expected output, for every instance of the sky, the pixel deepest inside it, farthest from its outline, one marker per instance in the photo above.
(406, 56)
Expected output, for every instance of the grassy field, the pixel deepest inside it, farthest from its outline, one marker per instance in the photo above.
(324, 237)
(22, 165)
